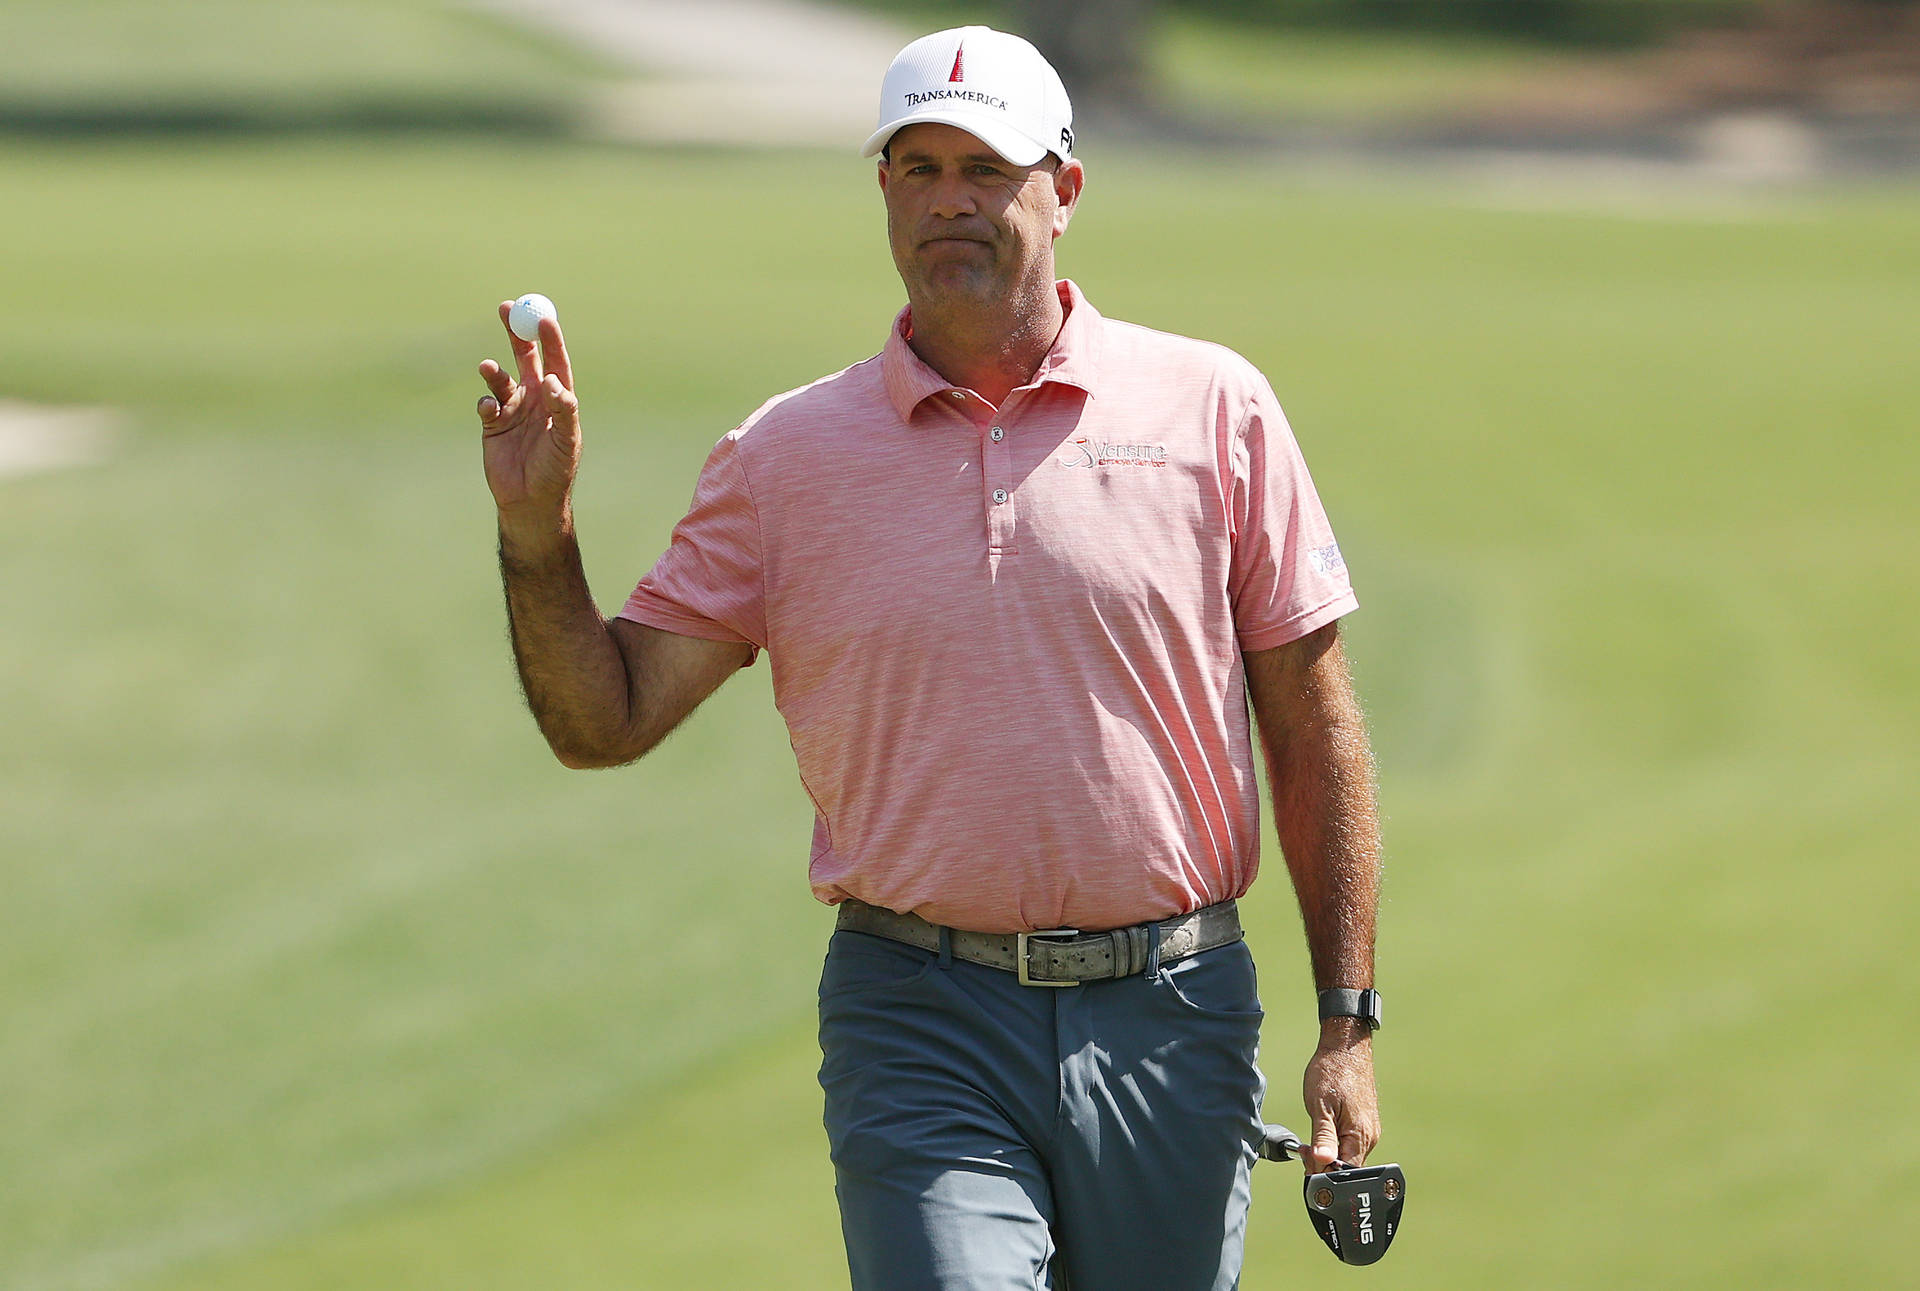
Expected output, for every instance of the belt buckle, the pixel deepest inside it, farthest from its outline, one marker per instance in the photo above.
(1020, 940)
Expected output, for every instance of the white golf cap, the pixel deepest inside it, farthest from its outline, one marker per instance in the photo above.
(986, 82)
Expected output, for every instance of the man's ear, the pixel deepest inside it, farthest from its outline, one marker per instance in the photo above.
(880, 169)
(1069, 181)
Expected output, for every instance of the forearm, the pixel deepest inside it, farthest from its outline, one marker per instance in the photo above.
(1330, 833)
(1320, 768)
(571, 668)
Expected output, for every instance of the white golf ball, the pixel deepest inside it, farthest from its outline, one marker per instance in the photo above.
(524, 318)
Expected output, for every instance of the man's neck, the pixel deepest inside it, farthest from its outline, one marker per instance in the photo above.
(990, 349)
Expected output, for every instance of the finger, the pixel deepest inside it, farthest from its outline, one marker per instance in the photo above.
(497, 380)
(563, 404)
(1324, 1152)
(553, 348)
(1353, 1148)
(489, 409)
(526, 355)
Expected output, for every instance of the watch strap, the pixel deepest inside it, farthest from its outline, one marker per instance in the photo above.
(1345, 1002)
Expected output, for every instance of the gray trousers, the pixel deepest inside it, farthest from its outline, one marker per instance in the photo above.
(992, 1136)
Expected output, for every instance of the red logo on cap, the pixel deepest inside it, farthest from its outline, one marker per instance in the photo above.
(958, 51)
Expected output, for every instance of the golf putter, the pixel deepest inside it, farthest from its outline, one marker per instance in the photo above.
(1355, 1209)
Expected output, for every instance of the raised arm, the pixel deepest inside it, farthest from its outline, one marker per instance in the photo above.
(603, 691)
(1321, 771)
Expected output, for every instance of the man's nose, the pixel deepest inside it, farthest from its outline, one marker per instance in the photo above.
(951, 197)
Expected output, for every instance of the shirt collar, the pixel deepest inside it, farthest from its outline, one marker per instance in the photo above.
(1072, 361)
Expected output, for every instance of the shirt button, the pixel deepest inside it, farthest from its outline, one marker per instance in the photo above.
(958, 394)
(997, 434)
(999, 496)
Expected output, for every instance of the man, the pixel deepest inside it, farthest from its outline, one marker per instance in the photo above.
(1017, 576)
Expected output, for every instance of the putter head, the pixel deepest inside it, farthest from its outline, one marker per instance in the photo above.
(1356, 1212)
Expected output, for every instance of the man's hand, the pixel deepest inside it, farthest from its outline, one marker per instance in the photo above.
(1340, 1097)
(530, 429)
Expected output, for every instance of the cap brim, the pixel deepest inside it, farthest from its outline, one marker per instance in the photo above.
(996, 134)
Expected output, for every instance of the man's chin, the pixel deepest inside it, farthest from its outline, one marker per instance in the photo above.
(959, 283)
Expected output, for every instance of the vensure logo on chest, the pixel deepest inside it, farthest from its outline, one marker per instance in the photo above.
(1092, 452)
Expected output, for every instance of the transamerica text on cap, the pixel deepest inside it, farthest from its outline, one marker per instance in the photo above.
(916, 98)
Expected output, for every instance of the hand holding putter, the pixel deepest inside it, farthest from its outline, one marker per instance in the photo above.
(1355, 1210)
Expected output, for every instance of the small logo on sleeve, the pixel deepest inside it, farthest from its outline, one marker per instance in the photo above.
(1327, 559)
(1088, 453)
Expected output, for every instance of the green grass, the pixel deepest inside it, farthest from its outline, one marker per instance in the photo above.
(282, 64)
(315, 971)
(1250, 72)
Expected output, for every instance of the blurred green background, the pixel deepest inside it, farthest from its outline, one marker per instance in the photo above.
(317, 971)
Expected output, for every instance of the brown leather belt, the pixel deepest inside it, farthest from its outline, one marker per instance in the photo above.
(1058, 956)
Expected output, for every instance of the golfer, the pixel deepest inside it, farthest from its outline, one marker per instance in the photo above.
(1018, 576)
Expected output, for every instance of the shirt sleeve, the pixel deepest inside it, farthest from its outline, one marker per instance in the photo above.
(1287, 577)
(708, 583)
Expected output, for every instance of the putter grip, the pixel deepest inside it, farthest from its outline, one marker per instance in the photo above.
(1278, 1143)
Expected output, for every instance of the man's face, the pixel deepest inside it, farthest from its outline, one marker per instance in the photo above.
(965, 223)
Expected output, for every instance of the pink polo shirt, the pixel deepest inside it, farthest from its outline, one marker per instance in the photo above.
(1006, 641)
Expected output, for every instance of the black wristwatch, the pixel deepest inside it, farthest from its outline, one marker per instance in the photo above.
(1342, 1002)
